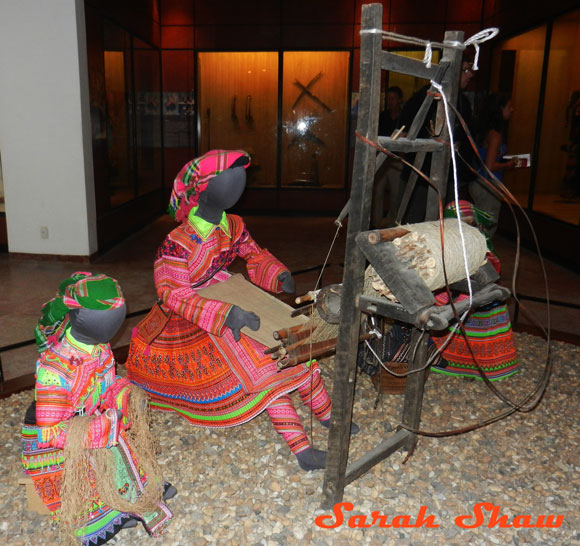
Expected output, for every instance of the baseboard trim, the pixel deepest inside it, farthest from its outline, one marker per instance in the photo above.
(25, 256)
(16, 385)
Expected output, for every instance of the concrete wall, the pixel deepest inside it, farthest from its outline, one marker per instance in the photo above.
(45, 138)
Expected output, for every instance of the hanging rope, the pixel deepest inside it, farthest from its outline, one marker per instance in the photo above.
(456, 188)
(475, 40)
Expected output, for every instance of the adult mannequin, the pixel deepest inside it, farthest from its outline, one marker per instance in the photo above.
(201, 365)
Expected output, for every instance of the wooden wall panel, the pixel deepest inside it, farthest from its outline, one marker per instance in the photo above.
(328, 12)
(238, 104)
(417, 11)
(177, 12)
(139, 17)
(248, 12)
(464, 12)
(178, 71)
(514, 17)
(314, 121)
(237, 37)
(317, 36)
(177, 37)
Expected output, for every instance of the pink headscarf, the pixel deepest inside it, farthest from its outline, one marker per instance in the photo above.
(194, 177)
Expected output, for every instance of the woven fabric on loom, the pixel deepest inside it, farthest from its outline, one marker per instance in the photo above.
(491, 339)
(194, 366)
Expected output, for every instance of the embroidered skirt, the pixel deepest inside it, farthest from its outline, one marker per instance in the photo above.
(46, 465)
(211, 381)
(491, 339)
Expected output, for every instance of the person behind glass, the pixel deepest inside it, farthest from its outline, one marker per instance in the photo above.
(417, 206)
(490, 139)
(388, 178)
(462, 145)
(389, 117)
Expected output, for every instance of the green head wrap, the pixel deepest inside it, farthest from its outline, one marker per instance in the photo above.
(82, 289)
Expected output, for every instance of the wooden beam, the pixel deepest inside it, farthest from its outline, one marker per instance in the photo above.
(440, 162)
(408, 66)
(407, 146)
(377, 454)
(415, 384)
(353, 279)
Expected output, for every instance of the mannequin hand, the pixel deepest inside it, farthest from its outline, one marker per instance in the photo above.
(238, 318)
(287, 281)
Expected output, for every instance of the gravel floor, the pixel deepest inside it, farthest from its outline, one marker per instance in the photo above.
(242, 486)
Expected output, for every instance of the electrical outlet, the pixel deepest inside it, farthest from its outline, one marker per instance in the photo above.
(44, 232)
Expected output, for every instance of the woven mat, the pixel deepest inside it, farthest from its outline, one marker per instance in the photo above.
(274, 314)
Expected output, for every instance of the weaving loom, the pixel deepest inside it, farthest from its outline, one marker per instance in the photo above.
(411, 300)
(290, 338)
(274, 314)
(410, 259)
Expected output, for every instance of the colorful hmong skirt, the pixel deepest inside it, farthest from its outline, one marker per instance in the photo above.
(211, 381)
(45, 466)
(491, 339)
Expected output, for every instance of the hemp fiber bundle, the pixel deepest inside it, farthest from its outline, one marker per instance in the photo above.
(420, 249)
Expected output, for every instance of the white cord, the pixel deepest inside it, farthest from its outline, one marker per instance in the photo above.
(475, 41)
(428, 57)
(327, 256)
(455, 189)
(478, 38)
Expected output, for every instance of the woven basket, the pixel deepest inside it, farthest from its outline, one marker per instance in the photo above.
(388, 383)
(391, 384)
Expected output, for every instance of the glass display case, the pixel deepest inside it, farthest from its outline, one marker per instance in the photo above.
(517, 71)
(296, 132)
(557, 188)
(125, 96)
(238, 108)
(539, 69)
(314, 118)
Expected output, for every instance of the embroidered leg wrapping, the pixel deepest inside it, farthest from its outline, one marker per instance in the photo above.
(286, 421)
(315, 396)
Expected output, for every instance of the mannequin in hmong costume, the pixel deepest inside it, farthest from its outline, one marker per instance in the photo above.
(86, 443)
(488, 329)
(200, 365)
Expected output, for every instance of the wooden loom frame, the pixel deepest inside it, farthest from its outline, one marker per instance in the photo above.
(373, 60)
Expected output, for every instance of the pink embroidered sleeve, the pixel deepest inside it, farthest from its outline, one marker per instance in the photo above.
(173, 282)
(117, 398)
(54, 411)
(53, 407)
(263, 268)
(104, 430)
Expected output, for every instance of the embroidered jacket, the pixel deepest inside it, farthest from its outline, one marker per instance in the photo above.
(73, 378)
(196, 254)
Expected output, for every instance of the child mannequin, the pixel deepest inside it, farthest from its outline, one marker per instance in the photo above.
(84, 412)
